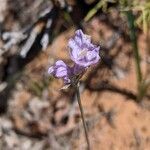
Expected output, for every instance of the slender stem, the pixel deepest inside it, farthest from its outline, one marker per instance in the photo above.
(82, 116)
(133, 38)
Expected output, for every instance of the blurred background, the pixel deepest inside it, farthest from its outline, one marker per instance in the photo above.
(35, 114)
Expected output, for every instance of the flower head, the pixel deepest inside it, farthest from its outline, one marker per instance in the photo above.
(82, 51)
(67, 73)
(61, 70)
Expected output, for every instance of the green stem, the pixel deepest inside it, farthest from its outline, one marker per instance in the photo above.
(133, 38)
(82, 117)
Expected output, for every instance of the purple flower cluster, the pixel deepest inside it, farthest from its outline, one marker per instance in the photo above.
(82, 52)
(61, 70)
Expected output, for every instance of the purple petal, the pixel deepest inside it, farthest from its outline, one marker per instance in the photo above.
(91, 55)
(51, 70)
(81, 37)
(74, 49)
(60, 63)
(83, 52)
(97, 48)
(61, 72)
(66, 80)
